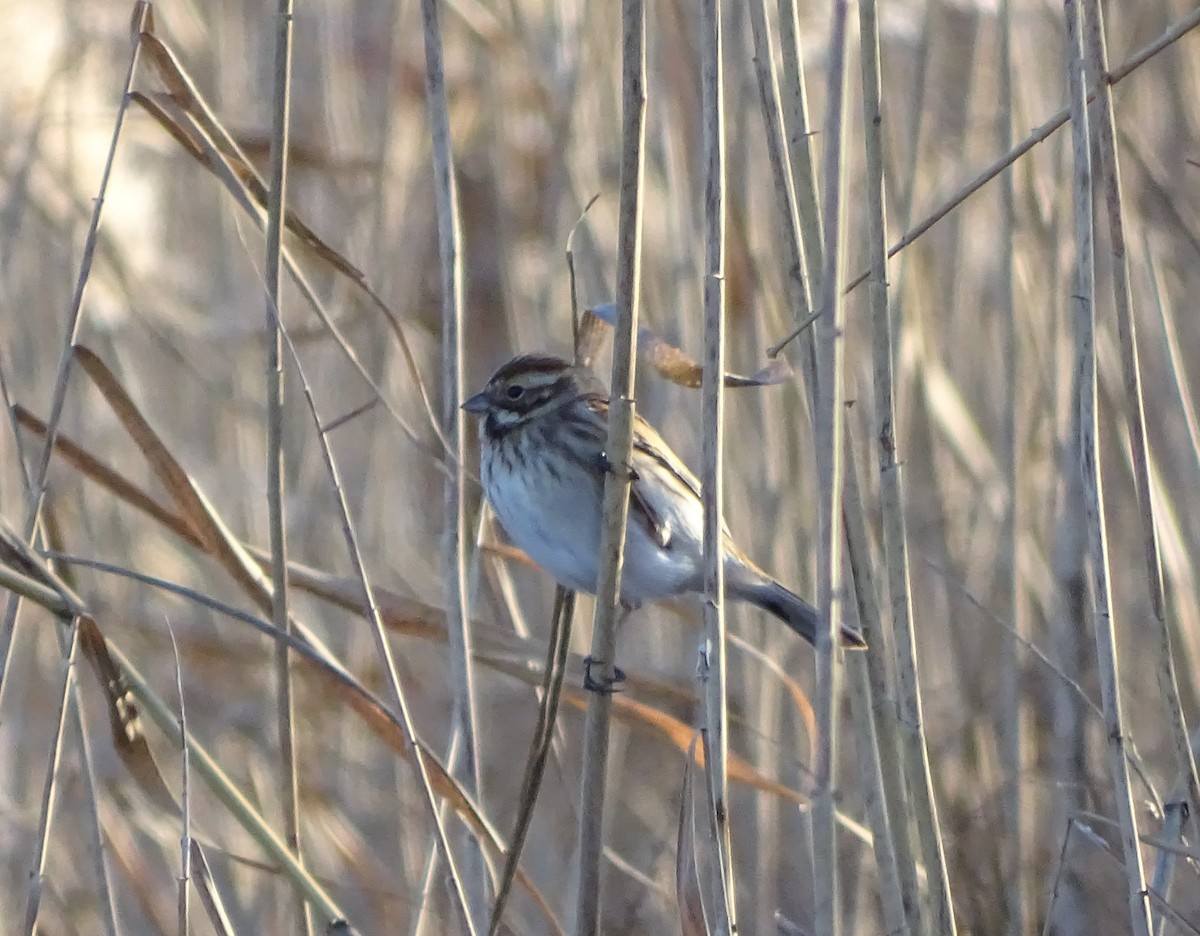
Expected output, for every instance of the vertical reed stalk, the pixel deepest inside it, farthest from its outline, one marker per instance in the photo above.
(890, 816)
(289, 783)
(620, 444)
(1083, 303)
(829, 416)
(799, 266)
(454, 541)
(798, 132)
(919, 778)
(1188, 790)
(714, 668)
(878, 755)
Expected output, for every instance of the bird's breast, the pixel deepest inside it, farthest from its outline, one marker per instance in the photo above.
(548, 509)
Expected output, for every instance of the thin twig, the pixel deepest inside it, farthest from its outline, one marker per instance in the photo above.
(185, 798)
(67, 700)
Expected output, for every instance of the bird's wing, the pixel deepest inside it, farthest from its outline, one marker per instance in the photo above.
(652, 457)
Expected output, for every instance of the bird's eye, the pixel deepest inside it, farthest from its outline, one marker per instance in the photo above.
(515, 392)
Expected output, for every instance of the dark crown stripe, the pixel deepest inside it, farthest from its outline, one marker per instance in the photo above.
(533, 364)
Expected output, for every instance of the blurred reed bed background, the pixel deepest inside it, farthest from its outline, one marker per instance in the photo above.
(173, 386)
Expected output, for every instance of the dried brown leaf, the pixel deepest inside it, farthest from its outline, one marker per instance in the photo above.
(187, 117)
(107, 477)
(217, 541)
(673, 363)
(647, 718)
(168, 69)
(128, 737)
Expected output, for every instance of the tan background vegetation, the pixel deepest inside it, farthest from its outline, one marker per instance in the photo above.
(174, 306)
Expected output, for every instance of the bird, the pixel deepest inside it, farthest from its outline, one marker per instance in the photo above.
(543, 428)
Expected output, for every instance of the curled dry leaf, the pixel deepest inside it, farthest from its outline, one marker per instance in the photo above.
(190, 121)
(671, 362)
(128, 736)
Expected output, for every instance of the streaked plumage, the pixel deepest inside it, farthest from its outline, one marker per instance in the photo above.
(543, 429)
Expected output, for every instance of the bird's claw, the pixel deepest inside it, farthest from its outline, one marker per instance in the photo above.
(609, 467)
(605, 685)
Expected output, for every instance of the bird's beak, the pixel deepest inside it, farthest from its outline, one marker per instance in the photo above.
(477, 404)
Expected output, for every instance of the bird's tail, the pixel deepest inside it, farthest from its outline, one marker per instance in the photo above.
(794, 611)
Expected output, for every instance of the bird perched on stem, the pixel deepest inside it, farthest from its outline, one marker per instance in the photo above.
(542, 431)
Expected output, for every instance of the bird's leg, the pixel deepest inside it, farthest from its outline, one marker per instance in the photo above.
(606, 685)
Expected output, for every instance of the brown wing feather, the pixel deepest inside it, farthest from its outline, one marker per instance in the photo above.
(648, 445)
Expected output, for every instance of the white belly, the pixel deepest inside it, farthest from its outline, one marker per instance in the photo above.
(557, 524)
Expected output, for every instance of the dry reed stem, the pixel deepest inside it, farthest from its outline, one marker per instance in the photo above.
(828, 406)
(922, 806)
(50, 789)
(553, 672)
(878, 754)
(1083, 303)
(535, 122)
(621, 413)
(383, 647)
(800, 268)
(1168, 683)
(713, 666)
(877, 746)
(465, 716)
(184, 900)
(285, 716)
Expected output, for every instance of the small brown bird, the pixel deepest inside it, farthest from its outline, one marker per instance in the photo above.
(543, 430)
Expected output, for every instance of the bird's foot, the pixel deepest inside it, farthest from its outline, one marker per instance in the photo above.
(620, 471)
(604, 685)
